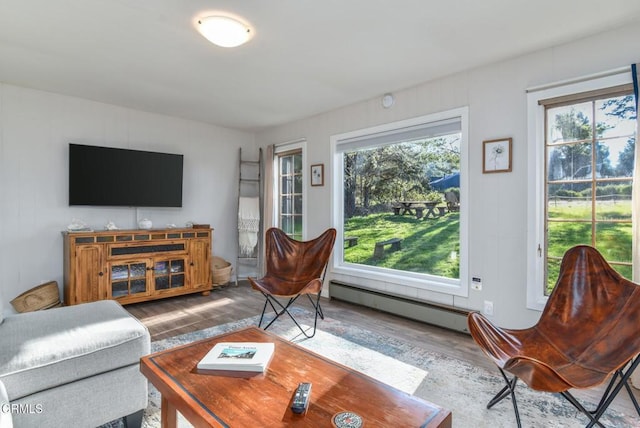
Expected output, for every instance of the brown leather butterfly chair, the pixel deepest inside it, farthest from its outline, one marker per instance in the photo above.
(294, 268)
(588, 332)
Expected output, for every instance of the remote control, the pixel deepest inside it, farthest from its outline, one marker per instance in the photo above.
(301, 398)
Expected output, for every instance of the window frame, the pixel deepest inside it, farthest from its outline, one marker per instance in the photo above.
(536, 201)
(285, 149)
(455, 287)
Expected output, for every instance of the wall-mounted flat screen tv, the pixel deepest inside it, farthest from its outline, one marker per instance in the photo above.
(106, 176)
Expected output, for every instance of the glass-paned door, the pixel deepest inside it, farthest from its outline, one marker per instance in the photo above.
(590, 154)
(290, 193)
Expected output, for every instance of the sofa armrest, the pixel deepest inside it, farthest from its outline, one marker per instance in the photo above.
(6, 421)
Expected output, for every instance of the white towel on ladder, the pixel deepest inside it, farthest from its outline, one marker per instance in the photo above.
(248, 224)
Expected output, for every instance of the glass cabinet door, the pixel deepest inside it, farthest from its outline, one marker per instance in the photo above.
(169, 274)
(128, 279)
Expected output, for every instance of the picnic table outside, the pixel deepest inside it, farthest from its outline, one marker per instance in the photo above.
(407, 207)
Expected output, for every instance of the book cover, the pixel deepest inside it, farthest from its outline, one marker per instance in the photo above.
(238, 356)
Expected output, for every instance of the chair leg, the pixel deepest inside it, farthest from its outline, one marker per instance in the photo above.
(316, 305)
(272, 301)
(633, 397)
(284, 309)
(610, 394)
(264, 308)
(509, 389)
(318, 311)
(567, 395)
(504, 392)
(618, 381)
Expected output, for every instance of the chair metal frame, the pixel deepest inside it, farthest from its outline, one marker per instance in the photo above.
(284, 309)
(612, 390)
(307, 282)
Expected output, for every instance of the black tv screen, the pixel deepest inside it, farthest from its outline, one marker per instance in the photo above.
(107, 176)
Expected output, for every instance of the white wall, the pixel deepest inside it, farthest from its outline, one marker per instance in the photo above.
(36, 127)
(35, 130)
(496, 96)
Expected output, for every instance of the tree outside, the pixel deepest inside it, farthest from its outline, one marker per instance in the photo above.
(374, 179)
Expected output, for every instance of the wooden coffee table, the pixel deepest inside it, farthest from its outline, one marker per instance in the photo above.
(264, 400)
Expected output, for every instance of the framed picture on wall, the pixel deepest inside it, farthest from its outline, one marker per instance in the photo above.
(496, 155)
(317, 174)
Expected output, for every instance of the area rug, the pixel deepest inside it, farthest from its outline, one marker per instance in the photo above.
(451, 383)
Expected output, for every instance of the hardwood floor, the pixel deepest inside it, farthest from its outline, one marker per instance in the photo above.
(184, 314)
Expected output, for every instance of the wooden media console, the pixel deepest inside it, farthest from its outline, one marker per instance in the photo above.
(136, 265)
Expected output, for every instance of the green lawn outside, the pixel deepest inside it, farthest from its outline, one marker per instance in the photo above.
(613, 240)
(432, 245)
(428, 245)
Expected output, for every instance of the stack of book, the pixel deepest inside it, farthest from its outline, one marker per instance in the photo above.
(238, 356)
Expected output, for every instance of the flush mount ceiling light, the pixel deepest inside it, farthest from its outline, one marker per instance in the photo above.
(224, 31)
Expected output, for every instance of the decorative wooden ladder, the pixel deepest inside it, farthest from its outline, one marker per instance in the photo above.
(250, 185)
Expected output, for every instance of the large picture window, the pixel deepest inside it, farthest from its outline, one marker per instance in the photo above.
(400, 202)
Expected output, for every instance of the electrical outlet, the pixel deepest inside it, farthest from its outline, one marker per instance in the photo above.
(488, 308)
(476, 283)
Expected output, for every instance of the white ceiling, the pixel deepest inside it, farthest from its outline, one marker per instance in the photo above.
(306, 57)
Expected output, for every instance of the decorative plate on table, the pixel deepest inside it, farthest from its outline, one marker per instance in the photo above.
(347, 420)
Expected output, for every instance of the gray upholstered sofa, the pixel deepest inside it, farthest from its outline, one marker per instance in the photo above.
(72, 366)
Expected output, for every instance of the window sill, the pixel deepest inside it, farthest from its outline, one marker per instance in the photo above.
(385, 277)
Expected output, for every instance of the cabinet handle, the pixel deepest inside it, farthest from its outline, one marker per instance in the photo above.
(100, 273)
(192, 264)
(149, 268)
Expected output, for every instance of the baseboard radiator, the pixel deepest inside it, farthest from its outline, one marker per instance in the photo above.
(430, 313)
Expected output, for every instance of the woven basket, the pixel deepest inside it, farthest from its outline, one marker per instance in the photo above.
(221, 271)
(43, 296)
